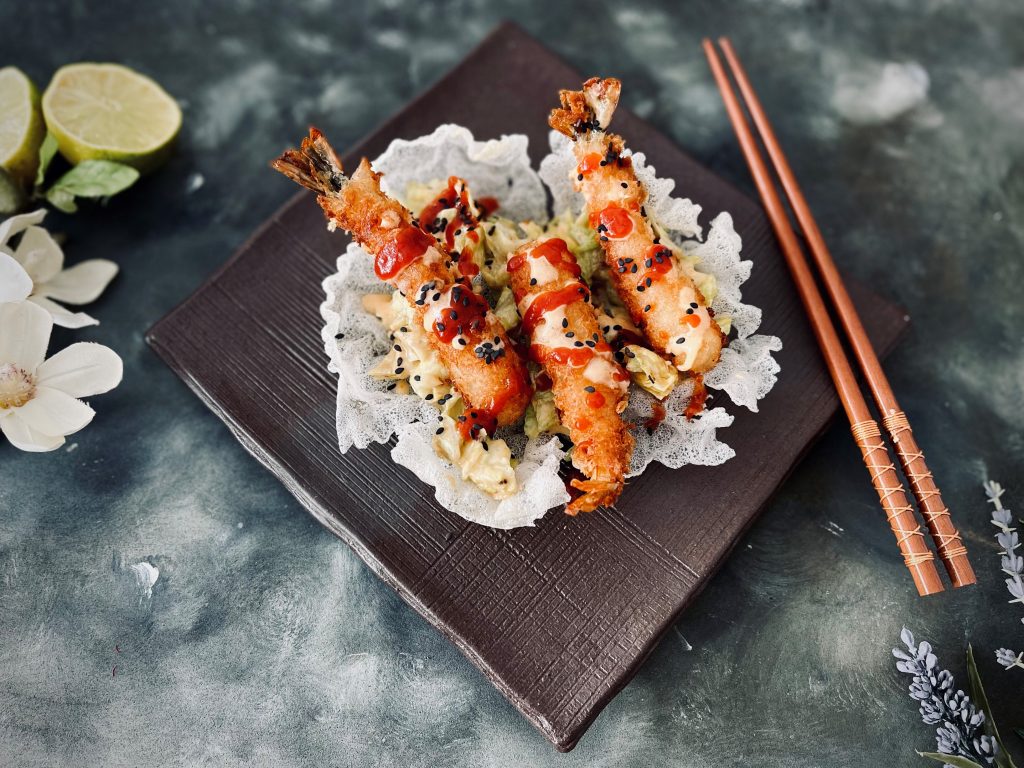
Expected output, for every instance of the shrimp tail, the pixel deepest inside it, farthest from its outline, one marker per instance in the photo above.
(590, 109)
(596, 493)
(315, 166)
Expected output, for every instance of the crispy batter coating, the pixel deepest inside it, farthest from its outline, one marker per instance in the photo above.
(659, 292)
(484, 366)
(590, 389)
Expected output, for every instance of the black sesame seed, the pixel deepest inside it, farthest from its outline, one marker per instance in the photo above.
(339, 335)
(570, 334)
(398, 348)
(579, 177)
(533, 281)
(681, 340)
(591, 343)
(429, 397)
(640, 288)
(565, 322)
(416, 377)
(603, 238)
(577, 343)
(647, 282)
(693, 304)
(484, 444)
(589, 389)
(647, 308)
(624, 185)
(689, 310)
(439, 430)
(399, 370)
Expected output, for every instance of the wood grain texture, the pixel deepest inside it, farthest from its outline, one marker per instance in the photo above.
(558, 617)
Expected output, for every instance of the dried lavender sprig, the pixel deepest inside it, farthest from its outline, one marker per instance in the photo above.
(960, 723)
(1012, 563)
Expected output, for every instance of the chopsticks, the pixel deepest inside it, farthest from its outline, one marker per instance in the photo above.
(916, 555)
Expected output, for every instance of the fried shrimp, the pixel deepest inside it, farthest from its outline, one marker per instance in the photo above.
(661, 296)
(484, 367)
(590, 389)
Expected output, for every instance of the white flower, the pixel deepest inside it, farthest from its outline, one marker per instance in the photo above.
(34, 271)
(39, 402)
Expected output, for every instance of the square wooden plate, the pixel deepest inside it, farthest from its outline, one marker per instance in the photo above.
(559, 617)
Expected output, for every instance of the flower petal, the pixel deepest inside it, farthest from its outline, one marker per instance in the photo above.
(79, 284)
(39, 254)
(65, 318)
(24, 333)
(24, 437)
(11, 226)
(15, 284)
(52, 412)
(81, 370)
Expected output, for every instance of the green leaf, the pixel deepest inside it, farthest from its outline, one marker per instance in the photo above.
(47, 151)
(96, 178)
(1003, 759)
(954, 760)
(61, 200)
(11, 195)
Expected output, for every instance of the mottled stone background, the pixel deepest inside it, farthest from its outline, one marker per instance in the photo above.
(264, 641)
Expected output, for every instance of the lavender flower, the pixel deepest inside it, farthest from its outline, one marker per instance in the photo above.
(1012, 563)
(1009, 659)
(960, 723)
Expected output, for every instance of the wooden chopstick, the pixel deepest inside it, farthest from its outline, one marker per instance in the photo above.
(918, 558)
(929, 500)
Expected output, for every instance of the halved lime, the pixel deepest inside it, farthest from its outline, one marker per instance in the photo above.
(110, 112)
(21, 125)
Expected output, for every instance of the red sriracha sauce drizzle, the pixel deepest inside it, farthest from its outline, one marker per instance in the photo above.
(658, 414)
(657, 262)
(466, 313)
(614, 222)
(405, 246)
(697, 399)
(594, 160)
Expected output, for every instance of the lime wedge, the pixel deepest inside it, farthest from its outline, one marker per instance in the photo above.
(110, 112)
(21, 125)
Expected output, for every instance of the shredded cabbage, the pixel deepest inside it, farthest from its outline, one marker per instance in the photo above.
(542, 416)
(650, 370)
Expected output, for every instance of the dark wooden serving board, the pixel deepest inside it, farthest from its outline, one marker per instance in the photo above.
(559, 617)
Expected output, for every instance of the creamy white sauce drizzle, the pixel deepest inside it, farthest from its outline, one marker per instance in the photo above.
(601, 370)
(433, 307)
(549, 331)
(541, 270)
(688, 342)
